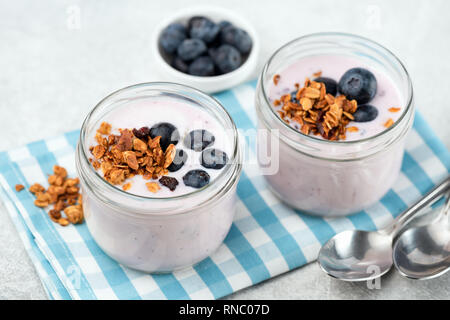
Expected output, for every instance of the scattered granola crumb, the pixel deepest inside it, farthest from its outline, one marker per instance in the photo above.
(317, 74)
(352, 129)
(36, 188)
(394, 109)
(19, 187)
(74, 213)
(63, 222)
(389, 123)
(60, 171)
(276, 78)
(153, 186)
(63, 193)
(54, 215)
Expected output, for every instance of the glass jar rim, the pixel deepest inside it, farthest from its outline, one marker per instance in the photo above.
(338, 142)
(235, 158)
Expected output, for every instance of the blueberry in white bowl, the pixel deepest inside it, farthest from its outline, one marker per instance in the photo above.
(231, 53)
(172, 37)
(202, 66)
(226, 45)
(189, 49)
(203, 28)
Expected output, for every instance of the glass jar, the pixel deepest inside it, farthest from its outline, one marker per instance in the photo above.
(333, 178)
(158, 234)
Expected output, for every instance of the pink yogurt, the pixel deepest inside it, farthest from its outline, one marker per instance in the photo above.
(330, 178)
(167, 230)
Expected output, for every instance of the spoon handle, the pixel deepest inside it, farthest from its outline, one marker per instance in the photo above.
(446, 209)
(409, 213)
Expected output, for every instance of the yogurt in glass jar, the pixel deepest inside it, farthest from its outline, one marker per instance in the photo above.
(174, 227)
(344, 175)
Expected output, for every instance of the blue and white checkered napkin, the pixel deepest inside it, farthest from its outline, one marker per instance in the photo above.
(266, 239)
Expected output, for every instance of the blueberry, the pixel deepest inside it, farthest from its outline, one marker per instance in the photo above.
(178, 161)
(168, 132)
(359, 84)
(177, 27)
(236, 37)
(224, 24)
(213, 159)
(190, 49)
(179, 64)
(365, 113)
(212, 52)
(294, 97)
(227, 58)
(194, 20)
(196, 178)
(171, 37)
(330, 84)
(198, 140)
(217, 42)
(202, 66)
(203, 29)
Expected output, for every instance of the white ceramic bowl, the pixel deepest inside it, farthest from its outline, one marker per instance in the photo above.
(213, 83)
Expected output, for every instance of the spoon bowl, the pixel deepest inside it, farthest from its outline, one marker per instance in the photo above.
(356, 255)
(424, 252)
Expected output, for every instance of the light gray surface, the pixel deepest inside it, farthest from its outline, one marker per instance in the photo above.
(53, 71)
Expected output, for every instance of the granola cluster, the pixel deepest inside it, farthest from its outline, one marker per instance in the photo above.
(318, 112)
(123, 156)
(63, 193)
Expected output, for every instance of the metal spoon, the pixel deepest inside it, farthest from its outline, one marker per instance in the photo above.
(356, 255)
(424, 252)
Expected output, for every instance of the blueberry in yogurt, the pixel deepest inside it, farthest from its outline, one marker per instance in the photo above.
(168, 132)
(330, 84)
(178, 161)
(196, 178)
(294, 97)
(365, 113)
(198, 140)
(190, 49)
(358, 84)
(213, 159)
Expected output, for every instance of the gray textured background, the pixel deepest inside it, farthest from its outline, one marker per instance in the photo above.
(53, 72)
